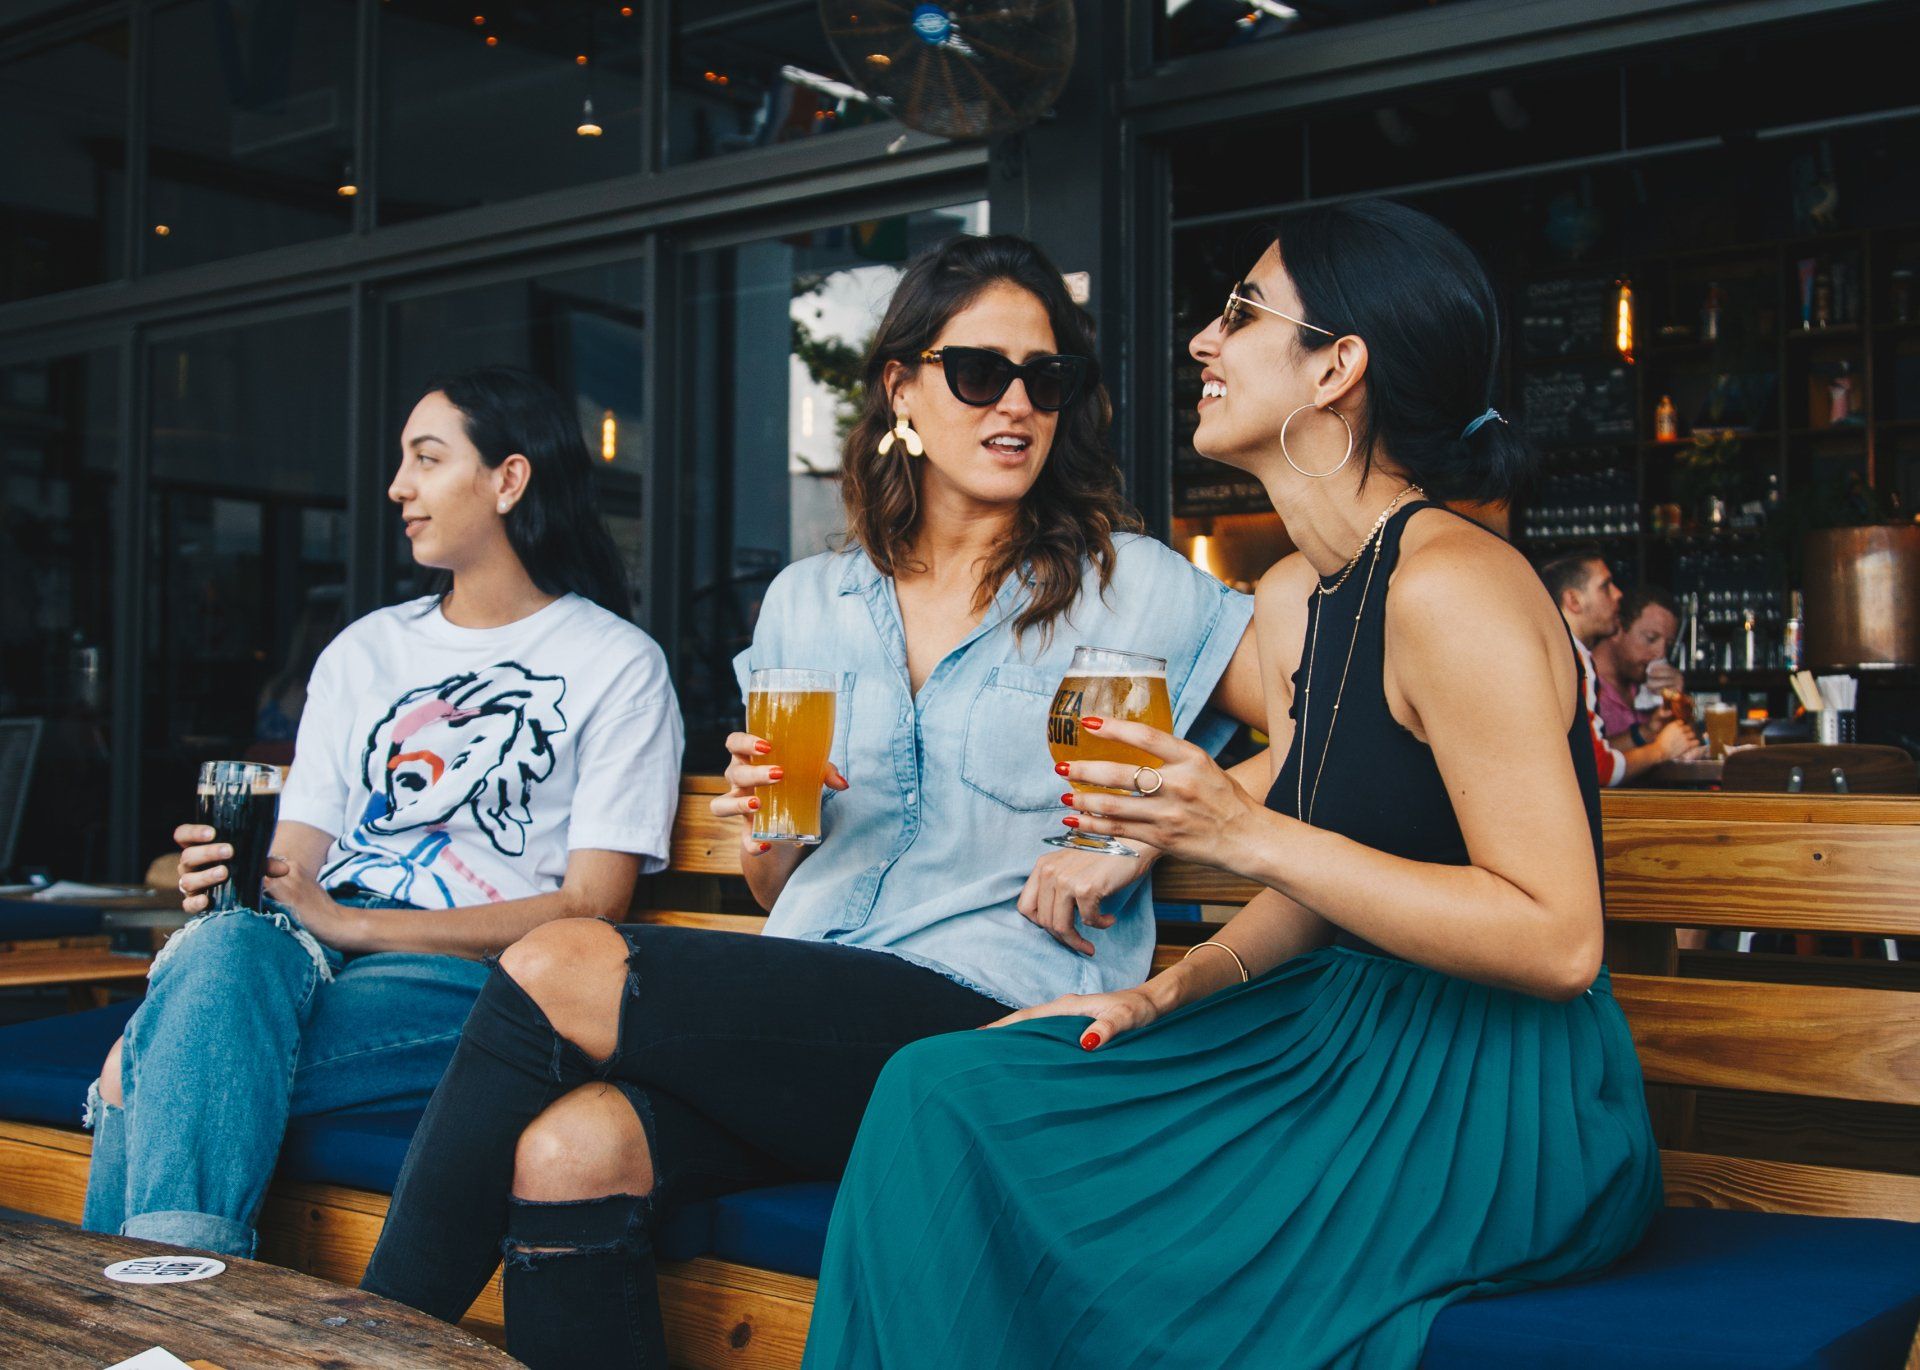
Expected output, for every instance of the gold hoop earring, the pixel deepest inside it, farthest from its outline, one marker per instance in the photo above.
(904, 433)
(1316, 475)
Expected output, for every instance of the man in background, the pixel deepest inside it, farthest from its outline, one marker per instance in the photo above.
(1632, 666)
(1582, 586)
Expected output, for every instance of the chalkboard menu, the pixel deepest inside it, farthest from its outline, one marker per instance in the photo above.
(1567, 316)
(1578, 403)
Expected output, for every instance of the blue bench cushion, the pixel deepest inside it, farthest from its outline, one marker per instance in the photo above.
(25, 920)
(46, 1065)
(1710, 1290)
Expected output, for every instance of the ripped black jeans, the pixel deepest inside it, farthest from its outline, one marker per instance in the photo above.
(749, 1061)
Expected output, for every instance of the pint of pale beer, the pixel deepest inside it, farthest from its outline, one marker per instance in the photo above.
(792, 711)
(1106, 684)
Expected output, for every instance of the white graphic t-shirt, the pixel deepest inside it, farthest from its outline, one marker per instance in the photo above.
(459, 766)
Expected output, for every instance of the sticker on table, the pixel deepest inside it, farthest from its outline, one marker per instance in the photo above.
(164, 1269)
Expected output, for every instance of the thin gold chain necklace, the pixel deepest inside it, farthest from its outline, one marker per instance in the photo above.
(1372, 533)
(1303, 804)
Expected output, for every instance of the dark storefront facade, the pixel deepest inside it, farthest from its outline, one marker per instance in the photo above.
(237, 240)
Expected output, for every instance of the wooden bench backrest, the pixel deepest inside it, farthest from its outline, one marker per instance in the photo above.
(1839, 1063)
(1794, 863)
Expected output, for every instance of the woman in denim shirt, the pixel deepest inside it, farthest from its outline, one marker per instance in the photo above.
(987, 545)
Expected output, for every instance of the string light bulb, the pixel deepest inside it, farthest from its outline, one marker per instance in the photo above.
(587, 127)
(609, 436)
(161, 231)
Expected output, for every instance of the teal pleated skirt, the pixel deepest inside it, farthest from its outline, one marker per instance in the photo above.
(1300, 1171)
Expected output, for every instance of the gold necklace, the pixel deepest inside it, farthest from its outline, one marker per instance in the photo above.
(1372, 533)
(1303, 804)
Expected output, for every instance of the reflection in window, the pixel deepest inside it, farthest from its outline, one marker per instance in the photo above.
(746, 74)
(59, 446)
(246, 545)
(63, 159)
(1190, 26)
(777, 332)
(250, 131)
(583, 330)
(481, 104)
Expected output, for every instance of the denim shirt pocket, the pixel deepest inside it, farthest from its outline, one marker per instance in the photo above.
(1003, 754)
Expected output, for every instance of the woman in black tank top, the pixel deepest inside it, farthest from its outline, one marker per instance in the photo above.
(1398, 1076)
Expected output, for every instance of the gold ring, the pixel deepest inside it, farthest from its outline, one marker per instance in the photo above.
(1158, 780)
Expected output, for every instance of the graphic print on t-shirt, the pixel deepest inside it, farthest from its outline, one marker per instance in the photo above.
(479, 741)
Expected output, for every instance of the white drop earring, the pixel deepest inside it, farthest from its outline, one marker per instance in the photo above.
(904, 433)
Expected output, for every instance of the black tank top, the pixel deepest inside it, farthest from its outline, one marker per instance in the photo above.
(1379, 785)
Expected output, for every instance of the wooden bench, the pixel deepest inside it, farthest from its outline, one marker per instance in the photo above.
(1738, 1070)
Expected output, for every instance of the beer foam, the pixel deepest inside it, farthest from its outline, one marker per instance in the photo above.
(1072, 673)
(260, 788)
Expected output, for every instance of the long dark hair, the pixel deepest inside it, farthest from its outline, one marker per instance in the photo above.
(1419, 298)
(555, 529)
(1074, 508)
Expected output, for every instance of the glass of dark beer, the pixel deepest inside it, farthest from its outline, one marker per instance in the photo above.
(240, 801)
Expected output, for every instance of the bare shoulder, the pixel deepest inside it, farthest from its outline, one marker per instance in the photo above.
(1286, 584)
(1453, 574)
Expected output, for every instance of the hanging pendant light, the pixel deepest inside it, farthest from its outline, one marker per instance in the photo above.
(588, 128)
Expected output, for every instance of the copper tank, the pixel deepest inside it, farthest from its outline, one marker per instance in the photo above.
(1863, 597)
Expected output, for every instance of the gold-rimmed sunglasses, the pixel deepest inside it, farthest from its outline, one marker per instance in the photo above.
(1235, 312)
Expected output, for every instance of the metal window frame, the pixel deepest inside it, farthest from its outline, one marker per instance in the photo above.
(1471, 39)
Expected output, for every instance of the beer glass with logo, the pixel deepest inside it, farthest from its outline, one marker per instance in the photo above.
(240, 801)
(1105, 684)
(793, 712)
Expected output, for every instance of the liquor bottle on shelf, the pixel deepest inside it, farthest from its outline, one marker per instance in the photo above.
(1666, 421)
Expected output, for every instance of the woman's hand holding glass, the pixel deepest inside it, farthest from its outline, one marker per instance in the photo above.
(746, 771)
(1196, 812)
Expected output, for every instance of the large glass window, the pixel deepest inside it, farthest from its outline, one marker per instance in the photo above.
(63, 165)
(250, 127)
(59, 450)
(746, 73)
(480, 104)
(246, 552)
(776, 333)
(585, 331)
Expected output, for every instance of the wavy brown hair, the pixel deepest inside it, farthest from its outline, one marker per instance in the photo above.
(1070, 515)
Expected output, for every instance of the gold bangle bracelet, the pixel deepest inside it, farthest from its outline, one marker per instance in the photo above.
(1227, 949)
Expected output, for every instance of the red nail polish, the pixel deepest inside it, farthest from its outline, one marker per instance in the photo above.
(776, 772)
(1060, 768)
(1090, 1041)
(1067, 799)
(1071, 821)
(762, 747)
(753, 803)
(1093, 723)
(766, 847)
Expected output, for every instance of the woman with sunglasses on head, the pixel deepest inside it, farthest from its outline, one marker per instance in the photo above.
(1397, 1077)
(989, 539)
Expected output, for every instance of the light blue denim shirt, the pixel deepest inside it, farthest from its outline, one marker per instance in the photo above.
(952, 792)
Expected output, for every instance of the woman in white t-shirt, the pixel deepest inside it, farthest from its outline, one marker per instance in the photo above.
(469, 765)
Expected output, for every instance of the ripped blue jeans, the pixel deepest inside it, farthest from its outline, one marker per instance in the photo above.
(249, 1021)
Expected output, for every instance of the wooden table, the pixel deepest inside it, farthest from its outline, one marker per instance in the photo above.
(1681, 775)
(57, 1310)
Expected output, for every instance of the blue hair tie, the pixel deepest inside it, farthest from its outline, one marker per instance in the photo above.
(1474, 427)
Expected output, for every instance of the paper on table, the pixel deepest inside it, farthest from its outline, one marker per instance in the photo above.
(153, 1358)
(73, 889)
